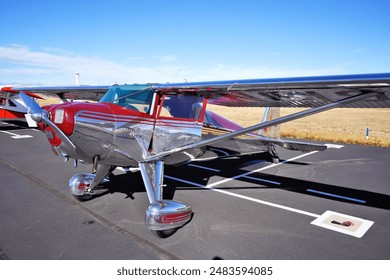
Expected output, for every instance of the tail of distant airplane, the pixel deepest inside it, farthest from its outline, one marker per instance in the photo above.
(11, 106)
(272, 131)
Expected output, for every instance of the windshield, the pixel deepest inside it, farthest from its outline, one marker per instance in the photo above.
(135, 97)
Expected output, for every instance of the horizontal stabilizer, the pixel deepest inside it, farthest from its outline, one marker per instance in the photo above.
(303, 147)
(295, 145)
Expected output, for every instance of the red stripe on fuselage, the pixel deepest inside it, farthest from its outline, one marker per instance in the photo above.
(136, 120)
(115, 118)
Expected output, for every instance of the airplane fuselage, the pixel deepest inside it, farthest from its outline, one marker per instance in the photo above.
(122, 137)
(129, 123)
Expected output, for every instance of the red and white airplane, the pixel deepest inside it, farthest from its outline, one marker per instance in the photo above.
(11, 106)
(148, 126)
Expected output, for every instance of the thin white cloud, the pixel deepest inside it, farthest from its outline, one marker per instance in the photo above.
(58, 51)
(168, 58)
(21, 61)
(224, 72)
(165, 58)
(134, 58)
(21, 64)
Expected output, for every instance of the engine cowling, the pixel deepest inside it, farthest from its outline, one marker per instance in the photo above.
(62, 115)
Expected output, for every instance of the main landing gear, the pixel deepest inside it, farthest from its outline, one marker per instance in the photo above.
(163, 217)
(273, 154)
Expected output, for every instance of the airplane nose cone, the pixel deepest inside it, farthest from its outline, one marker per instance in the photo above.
(63, 117)
(37, 116)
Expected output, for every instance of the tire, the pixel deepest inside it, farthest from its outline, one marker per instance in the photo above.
(83, 198)
(164, 233)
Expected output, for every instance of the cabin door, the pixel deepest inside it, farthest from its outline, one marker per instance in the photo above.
(179, 121)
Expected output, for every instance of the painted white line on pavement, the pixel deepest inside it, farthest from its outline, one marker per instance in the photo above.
(262, 180)
(184, 181)
(204, 167)
(210, 187)
(258, 170)
(16, 136)
(267, 203)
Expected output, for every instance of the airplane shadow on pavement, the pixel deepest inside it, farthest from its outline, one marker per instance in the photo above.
(131, 183)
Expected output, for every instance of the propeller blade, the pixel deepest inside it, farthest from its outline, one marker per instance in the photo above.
(40, 115)
(59, 133)
(33, 107)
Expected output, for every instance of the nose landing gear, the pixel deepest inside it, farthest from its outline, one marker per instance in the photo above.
(85, 186)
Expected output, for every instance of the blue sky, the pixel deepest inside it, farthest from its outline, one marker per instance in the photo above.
(47, 42)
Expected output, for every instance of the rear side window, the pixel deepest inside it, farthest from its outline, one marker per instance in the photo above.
(182, 106)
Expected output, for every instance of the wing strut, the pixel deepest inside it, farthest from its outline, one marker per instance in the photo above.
(280, 120)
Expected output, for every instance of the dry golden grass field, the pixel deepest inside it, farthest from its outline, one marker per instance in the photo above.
(337, 125)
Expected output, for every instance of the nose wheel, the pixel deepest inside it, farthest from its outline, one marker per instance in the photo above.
(85, 186)
(80, 186)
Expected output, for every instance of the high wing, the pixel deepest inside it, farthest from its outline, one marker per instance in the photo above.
(10, 91)
(272, 92)
(291, 92)
(66, 93)
(12, 107)
(321, 93)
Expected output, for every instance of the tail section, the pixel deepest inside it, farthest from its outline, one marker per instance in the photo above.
(266, 139)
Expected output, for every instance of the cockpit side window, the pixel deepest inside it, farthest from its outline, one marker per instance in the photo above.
(11, 103)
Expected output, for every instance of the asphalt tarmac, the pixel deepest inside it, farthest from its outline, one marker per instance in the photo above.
(243, 208)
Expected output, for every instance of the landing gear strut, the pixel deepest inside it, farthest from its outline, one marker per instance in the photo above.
(163, 217)
(274, 155)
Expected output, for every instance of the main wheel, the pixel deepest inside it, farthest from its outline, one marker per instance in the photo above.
(275, 160)
(164, 233)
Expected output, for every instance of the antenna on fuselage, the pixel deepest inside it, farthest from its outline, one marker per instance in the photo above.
(178, 71)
